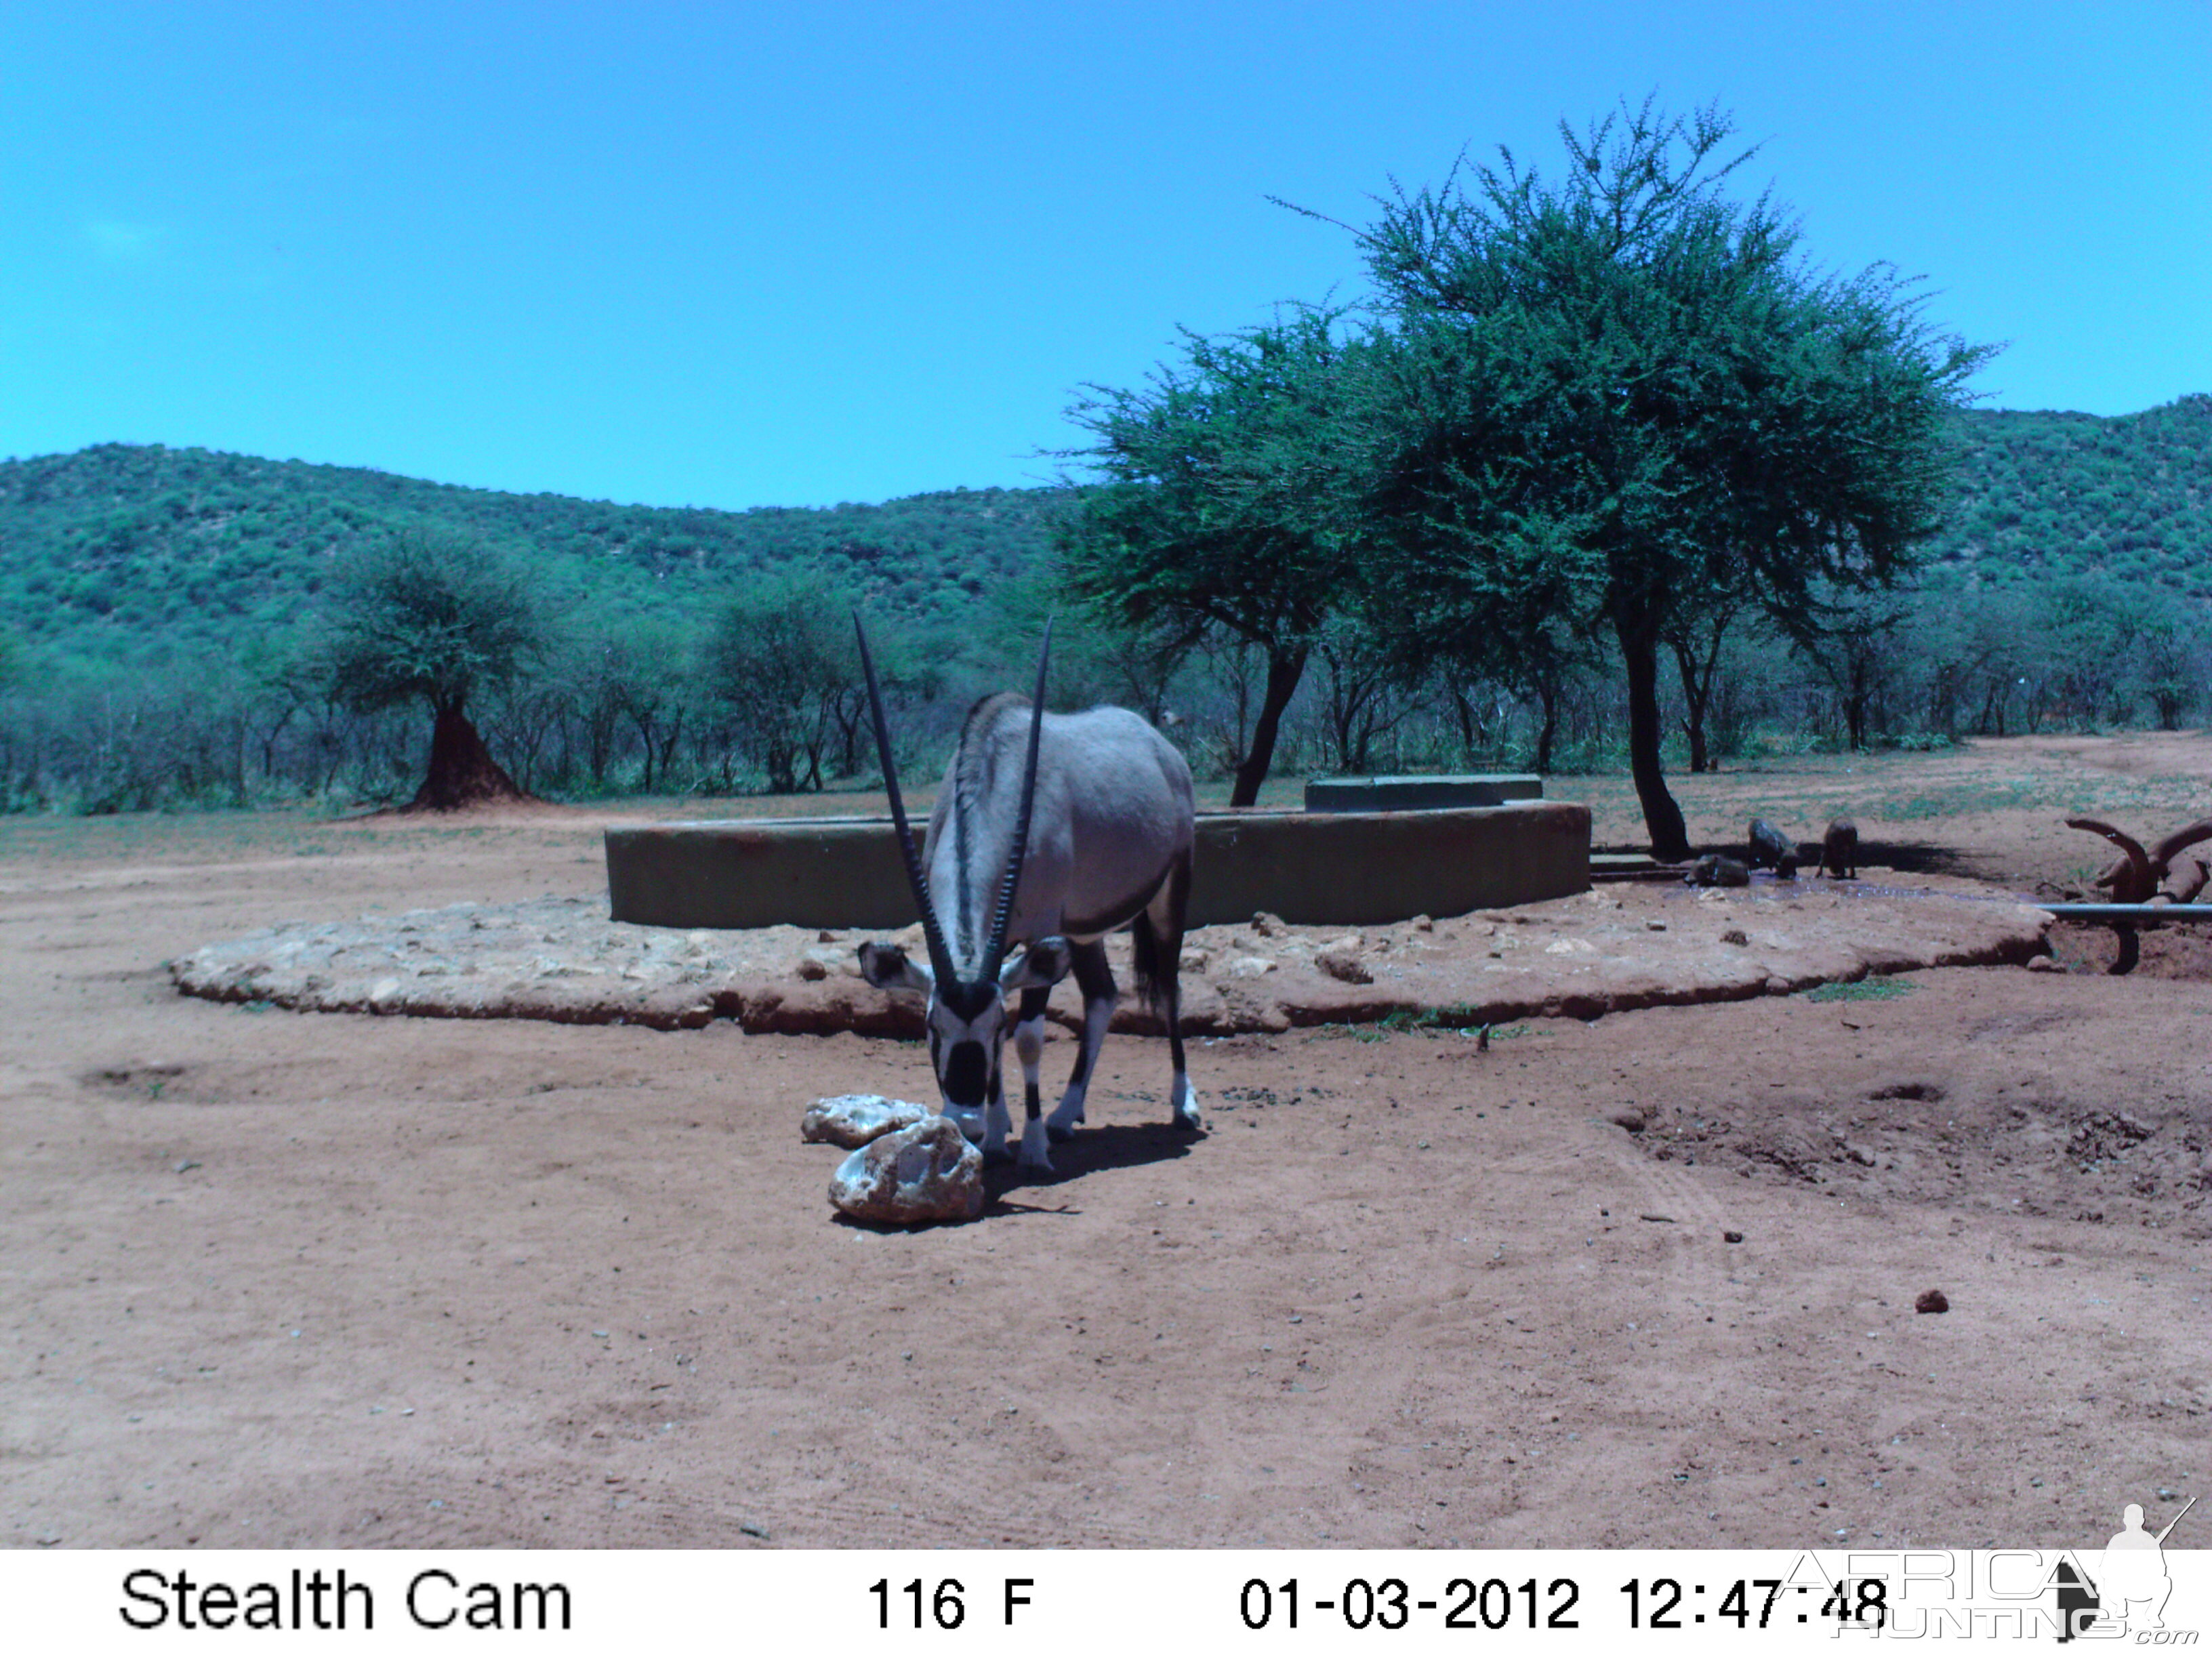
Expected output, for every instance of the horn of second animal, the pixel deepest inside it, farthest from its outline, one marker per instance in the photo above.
(940, 958)
(994, 952)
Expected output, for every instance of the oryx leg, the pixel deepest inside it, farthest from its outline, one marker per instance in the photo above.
(1095, 979)
(1164, 917)
(996, 1123)
(1180, 1094)
(1029, 1044)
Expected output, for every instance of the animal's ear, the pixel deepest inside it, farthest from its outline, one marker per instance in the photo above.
(885, 967)
(1045, 962)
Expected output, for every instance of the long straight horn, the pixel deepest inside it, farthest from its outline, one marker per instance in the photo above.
(995, 952)
(940, 959)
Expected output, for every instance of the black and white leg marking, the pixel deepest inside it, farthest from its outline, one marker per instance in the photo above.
(1029, 1044)
(1165, 914)
(996, 1123)
(1096, 980)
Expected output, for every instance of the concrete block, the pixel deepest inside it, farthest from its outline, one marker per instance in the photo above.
(1421, 794)
(1351, 868)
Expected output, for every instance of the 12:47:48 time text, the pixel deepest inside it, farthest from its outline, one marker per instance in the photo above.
(1664, 1604)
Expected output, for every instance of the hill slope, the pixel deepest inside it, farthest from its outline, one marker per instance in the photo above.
(123, 553)
(2043, 495)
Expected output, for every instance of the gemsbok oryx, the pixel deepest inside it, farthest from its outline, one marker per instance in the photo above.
(1049, 832)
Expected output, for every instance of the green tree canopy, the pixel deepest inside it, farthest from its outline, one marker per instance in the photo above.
(433, 619)
(1227, 504)
(1623, 394)
(782, 659)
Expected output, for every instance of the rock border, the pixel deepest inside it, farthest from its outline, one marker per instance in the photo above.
(1608, 951)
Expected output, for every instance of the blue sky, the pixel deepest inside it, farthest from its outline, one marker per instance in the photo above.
(747, 255)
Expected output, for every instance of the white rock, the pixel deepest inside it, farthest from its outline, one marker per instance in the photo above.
(927, 1173)
(855, 1119)
(1250, 967)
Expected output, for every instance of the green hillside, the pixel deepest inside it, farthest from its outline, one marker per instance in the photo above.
(124, 553)
(159, 609)
(2042, 495)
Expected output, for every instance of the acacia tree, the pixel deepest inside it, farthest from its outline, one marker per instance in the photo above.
(781, 659)
(1092, 649)
(1227, 504)
(431, 619)
(1695, 636)
(657, 690)
(1640, 366)
(2170, 656)
(1856, 648)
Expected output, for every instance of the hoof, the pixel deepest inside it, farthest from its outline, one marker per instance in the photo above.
(1035, 1160)
(1191, 1123)
(994, 1158)
(1033, 1166)
(1053, 1131)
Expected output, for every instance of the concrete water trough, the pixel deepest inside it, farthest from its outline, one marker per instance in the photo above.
(1326, 867)
(1416, 793)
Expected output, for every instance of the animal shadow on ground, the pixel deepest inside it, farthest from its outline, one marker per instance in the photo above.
(1109, 1146)
(1915, 857)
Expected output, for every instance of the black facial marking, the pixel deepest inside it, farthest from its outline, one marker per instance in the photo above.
(968, 1002)
(965, 1074)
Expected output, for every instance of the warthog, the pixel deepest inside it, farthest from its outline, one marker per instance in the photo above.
(1839, 850)
(1718, 869)
(1772, 850)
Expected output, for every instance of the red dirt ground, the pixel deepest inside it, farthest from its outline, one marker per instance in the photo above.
(278, 1279)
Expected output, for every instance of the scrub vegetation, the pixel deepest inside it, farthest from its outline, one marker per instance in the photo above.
(1586, 488)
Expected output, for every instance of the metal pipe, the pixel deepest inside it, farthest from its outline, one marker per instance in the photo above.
(2129, 912)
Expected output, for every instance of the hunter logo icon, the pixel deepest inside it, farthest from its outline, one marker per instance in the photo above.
(2131, 1585)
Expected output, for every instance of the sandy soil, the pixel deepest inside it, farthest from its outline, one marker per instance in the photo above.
(304, 1278)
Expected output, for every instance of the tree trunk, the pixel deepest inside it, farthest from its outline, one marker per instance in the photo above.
(668, 747)
(1670, 839)
(848, 735)
(1284, 669)
(1547, 697)
(1697, 696)
(462, 771)
(1463, 710)
(783, 766)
